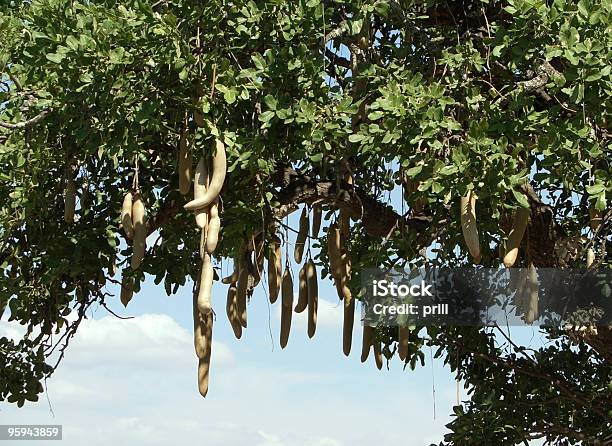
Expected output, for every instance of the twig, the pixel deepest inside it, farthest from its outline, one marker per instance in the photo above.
(113, 313)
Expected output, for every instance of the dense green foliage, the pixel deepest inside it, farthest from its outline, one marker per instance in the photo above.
(508, 98)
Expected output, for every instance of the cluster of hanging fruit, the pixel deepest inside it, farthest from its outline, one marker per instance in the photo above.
(207, 183)
(526, 285)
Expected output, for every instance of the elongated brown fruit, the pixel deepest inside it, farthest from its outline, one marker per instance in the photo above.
(140, 231)
(313, 297)
(258, 261)
(344, 224)
(378, 358)
(302, 302)
(202, 243)
(205, 285)
(333, 246)
(347, 270)
(217, 178)
(231, 309)
(127, 289)
(201, 329)
(200, 184)
(286, 315)
(317, 210)
(126, 216)
(533, 294)
(333, 253)
(347, 327)
(287, 289)
(69, 201)
(590, 257)
(275, 270)
(468, 225)
(402, 343)
(516, 235)
(286, 307)
(214, 226)
(184, 164)
(241, 296)
(204, 363)
(338, 264)
(366, 342)
(300, 240)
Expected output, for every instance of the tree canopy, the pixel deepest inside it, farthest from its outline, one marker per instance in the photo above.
(330, 104)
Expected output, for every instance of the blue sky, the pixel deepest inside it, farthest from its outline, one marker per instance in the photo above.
(133, 382)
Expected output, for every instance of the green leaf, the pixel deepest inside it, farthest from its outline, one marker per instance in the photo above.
(316, 158)
(520, 198)
(375, 115)
(497, 50)
(270, 102)
(356, 137)
(55, 58)
(266, 116)
(448, 170)
(414, 171)
(259, 61)
(595, 189)
(72, 42)
(600, 204)
(230, 96)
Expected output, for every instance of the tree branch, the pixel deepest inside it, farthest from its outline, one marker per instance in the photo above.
(343, 27)
(544, 72)
(378, 219)
(24, 124)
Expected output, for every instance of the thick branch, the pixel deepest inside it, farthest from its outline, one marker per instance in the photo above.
(343, 27)
(378, 219)
(544, 72)
(24, 124)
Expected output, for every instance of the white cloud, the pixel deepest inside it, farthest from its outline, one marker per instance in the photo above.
(269, 439)
(151, 339)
